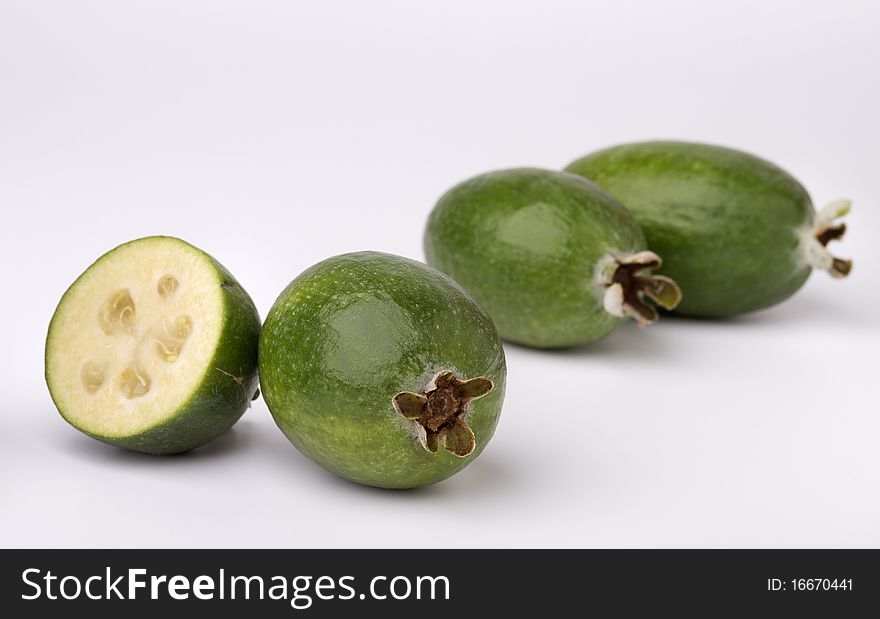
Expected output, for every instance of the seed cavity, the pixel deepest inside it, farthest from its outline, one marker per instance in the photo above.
(166, 286)
(117, 314)
(134, 382)
(182, 327)
(92, 376)
(170, 342)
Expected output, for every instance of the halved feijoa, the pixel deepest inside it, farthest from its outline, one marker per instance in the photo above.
(153, 348)
(382, 370)
(736, 232)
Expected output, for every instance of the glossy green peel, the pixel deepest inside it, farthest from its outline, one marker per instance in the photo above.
(552, 258)
(382, 370)
(736, 232)
(153, 348)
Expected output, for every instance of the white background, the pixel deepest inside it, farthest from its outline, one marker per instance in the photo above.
(276, 134)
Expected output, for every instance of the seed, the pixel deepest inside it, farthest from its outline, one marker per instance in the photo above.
(168, 349)
(92, 376)
(167, 285)
(134, 382)
(182, 327)
(117, 315)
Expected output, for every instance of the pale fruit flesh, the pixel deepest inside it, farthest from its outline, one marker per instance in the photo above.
(134, 337)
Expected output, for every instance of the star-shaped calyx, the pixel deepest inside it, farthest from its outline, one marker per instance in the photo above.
(628, 287)
(438, 413)
(825, 229)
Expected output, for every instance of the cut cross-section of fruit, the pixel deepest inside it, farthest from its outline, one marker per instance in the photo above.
(154, 348)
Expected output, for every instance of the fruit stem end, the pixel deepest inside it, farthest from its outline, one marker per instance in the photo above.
(825, 229)
(438, 412)
(631, 292)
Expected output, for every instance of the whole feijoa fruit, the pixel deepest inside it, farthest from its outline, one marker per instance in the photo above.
(552, 258)
(153, 348)
(736, 232)
(382, 370)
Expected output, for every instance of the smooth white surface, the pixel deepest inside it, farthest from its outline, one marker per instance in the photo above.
(276, 134)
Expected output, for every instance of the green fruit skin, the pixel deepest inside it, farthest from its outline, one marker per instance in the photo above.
(349, 334)
(223, 396)
(725, 222)
(526, 244)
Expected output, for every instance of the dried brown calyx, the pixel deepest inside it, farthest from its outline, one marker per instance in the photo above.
(439, 411)
(824, 230)
(629, 290)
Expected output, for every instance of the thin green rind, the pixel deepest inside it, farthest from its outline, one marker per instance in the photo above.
(226, 389)
(726, 223)
(526, 243)
(349, 334)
